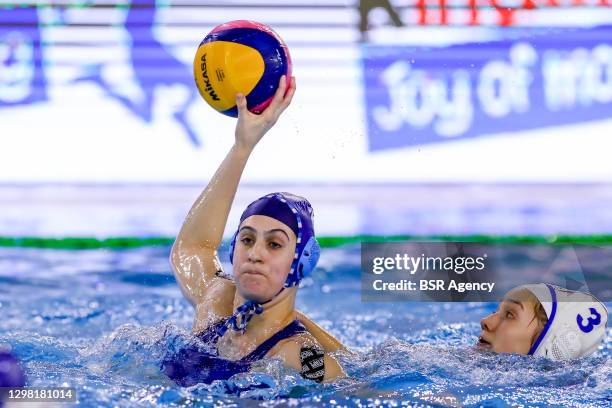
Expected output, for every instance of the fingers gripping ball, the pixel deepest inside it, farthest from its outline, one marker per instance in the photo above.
(241, 57)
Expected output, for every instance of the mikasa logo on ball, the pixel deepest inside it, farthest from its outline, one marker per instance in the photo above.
(208, 87)
(243, 57)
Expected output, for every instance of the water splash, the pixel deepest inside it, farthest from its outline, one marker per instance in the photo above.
(102, 322)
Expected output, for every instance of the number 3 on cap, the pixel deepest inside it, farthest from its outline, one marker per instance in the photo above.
(592, 320)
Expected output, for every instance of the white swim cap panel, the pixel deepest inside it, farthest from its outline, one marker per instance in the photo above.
(576, 322)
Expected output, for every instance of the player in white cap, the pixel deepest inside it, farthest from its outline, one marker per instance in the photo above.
(545, 320)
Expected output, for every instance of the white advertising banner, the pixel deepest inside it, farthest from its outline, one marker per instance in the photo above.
(106, 94)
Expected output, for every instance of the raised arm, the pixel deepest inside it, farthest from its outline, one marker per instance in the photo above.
(194, 253)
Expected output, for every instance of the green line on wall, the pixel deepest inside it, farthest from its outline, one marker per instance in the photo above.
(325, 241)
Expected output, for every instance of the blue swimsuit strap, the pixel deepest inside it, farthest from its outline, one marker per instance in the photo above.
(211, 337)
(292, 329)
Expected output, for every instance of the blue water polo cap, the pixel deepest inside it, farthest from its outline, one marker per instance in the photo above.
(297, 213)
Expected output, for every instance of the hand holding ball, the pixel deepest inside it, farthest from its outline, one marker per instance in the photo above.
(241, 57)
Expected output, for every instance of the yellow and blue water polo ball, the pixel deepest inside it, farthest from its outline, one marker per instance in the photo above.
(241, 57)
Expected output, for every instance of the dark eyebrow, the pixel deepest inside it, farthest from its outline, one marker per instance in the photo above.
(278, 229)
(515, 301)
(267, 232)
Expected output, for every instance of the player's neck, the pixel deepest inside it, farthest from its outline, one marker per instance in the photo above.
(278, 313)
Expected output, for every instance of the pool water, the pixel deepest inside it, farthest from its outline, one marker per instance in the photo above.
(101, 321)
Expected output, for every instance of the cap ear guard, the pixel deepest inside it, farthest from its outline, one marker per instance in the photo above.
(566, 345)
(308, 259)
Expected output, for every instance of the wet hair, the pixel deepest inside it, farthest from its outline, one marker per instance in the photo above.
(525, 295)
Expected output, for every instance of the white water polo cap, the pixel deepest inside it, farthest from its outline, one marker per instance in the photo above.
(576, 322)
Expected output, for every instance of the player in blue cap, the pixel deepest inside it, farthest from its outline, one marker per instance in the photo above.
(545, 320)
(251, 315)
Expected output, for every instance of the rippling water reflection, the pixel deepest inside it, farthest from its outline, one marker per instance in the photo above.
(101, 321)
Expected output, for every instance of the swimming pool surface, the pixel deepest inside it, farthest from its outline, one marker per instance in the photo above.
(101, 321)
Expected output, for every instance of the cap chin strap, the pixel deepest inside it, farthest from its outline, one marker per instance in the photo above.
(243, 315)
